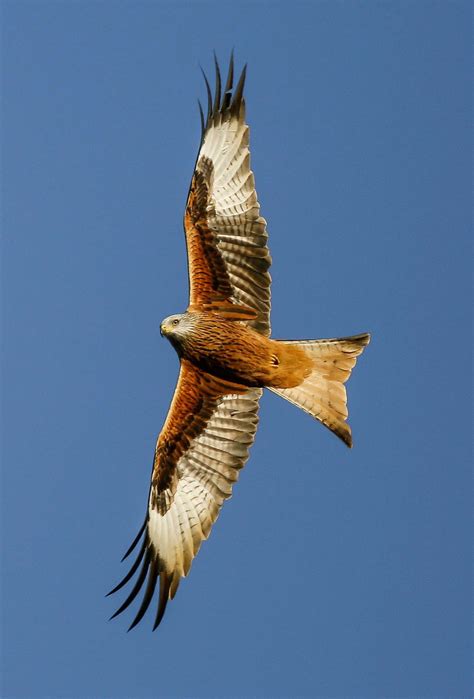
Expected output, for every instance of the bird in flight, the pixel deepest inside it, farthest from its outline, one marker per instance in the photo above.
(226, 357)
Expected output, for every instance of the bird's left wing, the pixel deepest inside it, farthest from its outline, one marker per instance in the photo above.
(204, 443)
(228, 256)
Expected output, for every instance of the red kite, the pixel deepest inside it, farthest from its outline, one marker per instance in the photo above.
(226, 357)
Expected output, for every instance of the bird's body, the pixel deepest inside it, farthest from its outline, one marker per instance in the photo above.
(236, 353)
(227, 358)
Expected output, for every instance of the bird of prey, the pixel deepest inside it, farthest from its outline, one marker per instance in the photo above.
(226, 357)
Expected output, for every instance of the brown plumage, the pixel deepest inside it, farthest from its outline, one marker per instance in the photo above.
(227, 357)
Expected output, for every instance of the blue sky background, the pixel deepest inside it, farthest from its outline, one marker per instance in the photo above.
(330, 573)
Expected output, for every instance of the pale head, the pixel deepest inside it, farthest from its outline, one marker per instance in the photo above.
(177, 327)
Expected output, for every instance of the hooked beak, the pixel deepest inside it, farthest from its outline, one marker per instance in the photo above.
(162, 330)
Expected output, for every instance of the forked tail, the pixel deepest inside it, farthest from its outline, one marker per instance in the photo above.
(322, 393)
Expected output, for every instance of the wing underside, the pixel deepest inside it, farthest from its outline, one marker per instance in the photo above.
(228, 256)
(181, 515)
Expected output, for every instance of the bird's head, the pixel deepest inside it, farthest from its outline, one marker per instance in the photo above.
(176, 328)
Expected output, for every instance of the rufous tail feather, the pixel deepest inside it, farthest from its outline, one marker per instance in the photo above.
(322, 393)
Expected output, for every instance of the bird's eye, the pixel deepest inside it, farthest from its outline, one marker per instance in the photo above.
(175, 321)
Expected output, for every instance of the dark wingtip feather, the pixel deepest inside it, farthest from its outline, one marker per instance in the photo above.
(230, 74)
(209, 97)
(229, 83)
(135, 541)
(147, 597)
(344, 433)
(132, 570)
(165, 584)
(217, 96)
(223, 101)
(201, 116)
(136, 588)
(238, 92)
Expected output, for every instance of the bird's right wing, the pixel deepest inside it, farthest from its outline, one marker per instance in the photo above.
(204, 443)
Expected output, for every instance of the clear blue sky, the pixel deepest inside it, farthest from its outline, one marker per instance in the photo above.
(330, 573)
